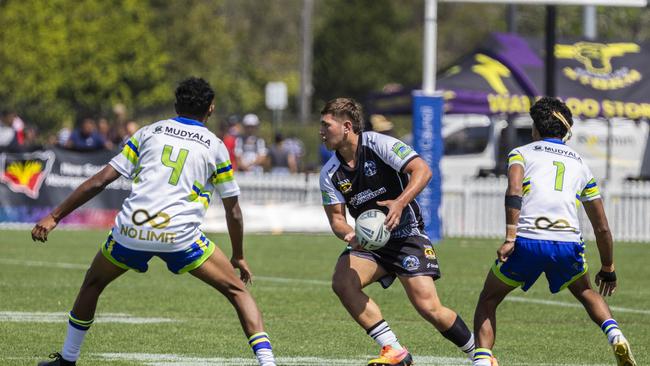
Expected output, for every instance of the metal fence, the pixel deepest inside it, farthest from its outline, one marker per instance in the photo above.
(471, 208)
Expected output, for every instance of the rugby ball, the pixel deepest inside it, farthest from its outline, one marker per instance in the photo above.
(370, 230)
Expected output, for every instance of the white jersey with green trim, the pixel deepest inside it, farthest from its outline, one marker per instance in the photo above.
(556, 180)
(175, 166)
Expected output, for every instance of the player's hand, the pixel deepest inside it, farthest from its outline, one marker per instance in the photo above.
(606, 281)
(505, 250)
(244, 271)
(43, 227)
(351, 239)
(394, 215)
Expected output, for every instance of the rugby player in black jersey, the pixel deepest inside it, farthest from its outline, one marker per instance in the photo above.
(374, 171)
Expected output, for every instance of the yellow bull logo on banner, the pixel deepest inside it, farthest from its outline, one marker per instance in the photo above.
(596, 58)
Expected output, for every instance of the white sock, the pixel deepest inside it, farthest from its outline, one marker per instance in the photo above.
(261, 345)
(482, 357)
(610, 328)
(265, 357)
(482, 362)
(469, 346)
(72, 345)
(383, 335)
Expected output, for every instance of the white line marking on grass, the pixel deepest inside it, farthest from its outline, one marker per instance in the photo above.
(292, 280)
(151, 359)
(573, 305)
(44, 264)
(323, 283)
(40, 317)
(178, 360)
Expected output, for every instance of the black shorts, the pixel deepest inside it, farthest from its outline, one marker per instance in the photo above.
(411, 256)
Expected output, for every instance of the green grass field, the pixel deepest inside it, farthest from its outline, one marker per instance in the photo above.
(158, 318)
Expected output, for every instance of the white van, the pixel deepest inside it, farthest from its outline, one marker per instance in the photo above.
(476, 145)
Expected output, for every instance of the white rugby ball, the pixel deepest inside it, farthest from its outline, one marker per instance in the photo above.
(370, 229)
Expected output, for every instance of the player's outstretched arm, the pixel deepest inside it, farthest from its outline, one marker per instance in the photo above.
(420, 175)
(606, 278)
(87, 190)
(235, 223)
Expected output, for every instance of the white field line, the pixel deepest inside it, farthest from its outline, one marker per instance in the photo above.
(41, 317)
(323, 283)
(575, 304)
(178, 360)
(44, 264)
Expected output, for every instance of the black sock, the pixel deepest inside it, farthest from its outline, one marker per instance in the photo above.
(458, 333)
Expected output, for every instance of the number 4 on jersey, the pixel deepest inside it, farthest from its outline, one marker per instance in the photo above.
(176, 165)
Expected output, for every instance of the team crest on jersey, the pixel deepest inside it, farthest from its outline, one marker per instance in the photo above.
(369, 168)
(401, 149)
(429, 253)
(25, 173)
(345, 186)
(411, 263)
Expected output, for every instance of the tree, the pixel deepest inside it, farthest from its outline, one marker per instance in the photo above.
(60, 59)
(360, 46)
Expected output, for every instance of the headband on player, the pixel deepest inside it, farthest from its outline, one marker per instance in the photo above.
(566, 124)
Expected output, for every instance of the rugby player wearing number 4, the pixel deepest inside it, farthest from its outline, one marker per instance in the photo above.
(175, 166)
(374, 171)
(547, 180)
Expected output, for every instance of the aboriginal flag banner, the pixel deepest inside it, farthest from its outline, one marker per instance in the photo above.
(33, 183)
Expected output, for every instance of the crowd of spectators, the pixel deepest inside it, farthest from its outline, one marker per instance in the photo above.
(249, 152)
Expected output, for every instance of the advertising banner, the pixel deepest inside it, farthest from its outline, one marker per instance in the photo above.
(32, 184)
(427, 141)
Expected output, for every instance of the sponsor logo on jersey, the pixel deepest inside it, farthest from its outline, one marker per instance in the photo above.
(429, 252)
(25, 173)
(158, 129)
(562, 152)
(186, 135)
(365, 196)
(326, 197)
(158, 221)
(345, 186)
(544, 223)
(369, 168)
(401, 149)
(410, 263)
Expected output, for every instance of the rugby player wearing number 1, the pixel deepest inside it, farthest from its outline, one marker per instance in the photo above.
(175, 165)
(374, 171)
(547, 180)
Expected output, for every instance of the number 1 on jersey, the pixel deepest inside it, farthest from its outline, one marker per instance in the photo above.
(559, 175)
(176, 165)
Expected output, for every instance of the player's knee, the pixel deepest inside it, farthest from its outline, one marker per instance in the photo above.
(343, 286)
(430, 310)
(94, 281)
(490, 298)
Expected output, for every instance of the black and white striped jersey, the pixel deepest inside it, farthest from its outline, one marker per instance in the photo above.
(376, 176)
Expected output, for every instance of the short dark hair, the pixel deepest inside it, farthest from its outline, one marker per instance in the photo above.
(547, 124)
(193, 97)
(345, 108)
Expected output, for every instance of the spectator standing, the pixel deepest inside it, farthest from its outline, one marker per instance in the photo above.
(281, 156)
(231, 133)
(85, 137)
(250, 149)
(8, 139)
